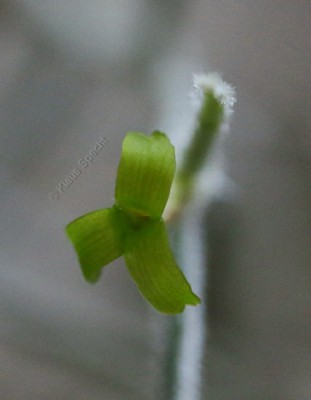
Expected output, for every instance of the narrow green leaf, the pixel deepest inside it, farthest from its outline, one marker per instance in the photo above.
(152, 265)
(209, 121)
(97, 239)
(145, 174)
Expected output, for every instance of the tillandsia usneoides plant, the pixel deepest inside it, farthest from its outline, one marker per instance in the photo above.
(135, 226)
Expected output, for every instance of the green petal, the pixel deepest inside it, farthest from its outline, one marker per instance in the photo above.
(145, 173)
(97, 239)
(152, 265)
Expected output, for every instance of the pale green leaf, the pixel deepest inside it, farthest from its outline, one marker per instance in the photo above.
(97, 239)
(145, 174)
(152, 265)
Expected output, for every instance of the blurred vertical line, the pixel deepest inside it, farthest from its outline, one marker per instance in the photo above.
(187, 331)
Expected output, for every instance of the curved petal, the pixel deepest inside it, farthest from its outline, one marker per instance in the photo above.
(145, 173)
(97, 239)
(152, 265)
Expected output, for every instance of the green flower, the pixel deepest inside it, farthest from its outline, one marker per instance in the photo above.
(134, 227)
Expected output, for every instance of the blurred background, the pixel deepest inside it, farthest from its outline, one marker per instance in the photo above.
(73, 72)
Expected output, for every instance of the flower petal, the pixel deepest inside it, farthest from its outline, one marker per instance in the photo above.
(145, 173)
(97, 239)
(152, 265)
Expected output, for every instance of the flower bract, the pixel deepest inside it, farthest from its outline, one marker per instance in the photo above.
(133, 227)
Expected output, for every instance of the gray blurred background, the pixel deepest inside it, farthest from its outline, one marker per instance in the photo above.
(72, 72)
